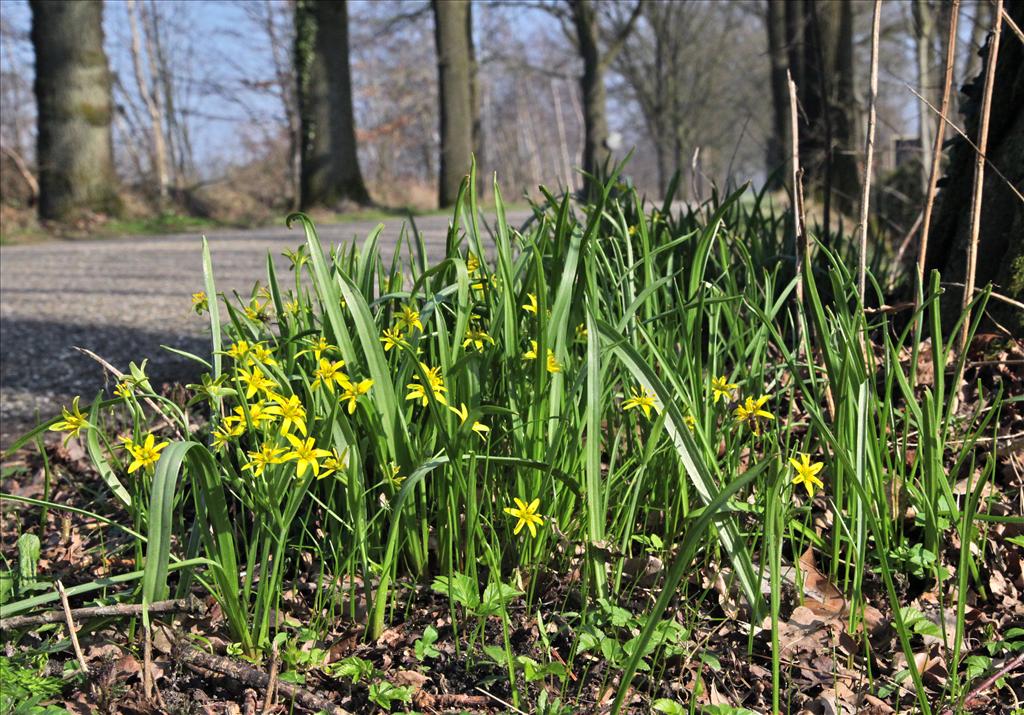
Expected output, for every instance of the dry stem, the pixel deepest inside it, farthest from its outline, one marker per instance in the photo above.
(870, 153)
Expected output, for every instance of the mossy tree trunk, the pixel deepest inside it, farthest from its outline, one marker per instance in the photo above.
(73, 93)
(455, 75)
(1001, 236)
(330, 174)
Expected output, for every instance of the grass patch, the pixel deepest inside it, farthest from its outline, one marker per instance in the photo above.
(572, 463)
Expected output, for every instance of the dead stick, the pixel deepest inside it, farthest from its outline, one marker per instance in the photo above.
(268, 701)
(987, 683)
(940, 135)
(970, 143)
(147, 662)
(248, 675)
(120, 375)
(870, 155)
(72, 631)
(118, 611)
(979, 178)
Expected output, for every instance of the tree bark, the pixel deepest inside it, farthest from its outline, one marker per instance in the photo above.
(924, 39)
(73, 93)
(595, 118)
(455, 83)
(330, 174)
(778, 141)
(1000, 248)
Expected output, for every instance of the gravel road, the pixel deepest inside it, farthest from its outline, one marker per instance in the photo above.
(124, 298)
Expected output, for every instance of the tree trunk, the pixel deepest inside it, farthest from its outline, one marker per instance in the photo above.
(330, 173)
(924, 38)
(1000, 247)
(72, 87)
(595, 118)
(151, 98)
(778, 141)
(828, 98)
(455, 83)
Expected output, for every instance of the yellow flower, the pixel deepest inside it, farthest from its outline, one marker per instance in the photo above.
(807, 473)
(262, 354)
(258, 414)
(144, 455)
(391, 338)
(531, 305)
(328, 373)
(472, 263)
(691, 422)
(72, 423)
(334, 463)
(642, 398)
(581, 332)
(477, 336)
(200, 302)
(255, 381)
(721, 387)
(318, 348)
(123, 390)
(751, 411)
(306, 454)
(267, 455)
(435, 381)
(527, 515)
(553, 364)
(292, 307)
(255, 312)
(394, 477)
(409, 318)
(291, 411)
(228, 431)
(479, 427)
(238, 350)
(353, 390)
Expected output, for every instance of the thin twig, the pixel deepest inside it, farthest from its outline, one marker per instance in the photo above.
(962, 135)
(870, 154)
(120, 375)
(940, 135)
(275, 662)
(1013, 25)
(897, 263)
(989, 681)
(72, 630)
(979, 175)
(119, 610)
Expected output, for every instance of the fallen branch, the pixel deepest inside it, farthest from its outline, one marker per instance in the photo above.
(248, 675)
(120, 610)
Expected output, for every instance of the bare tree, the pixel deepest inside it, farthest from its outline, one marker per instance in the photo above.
(152, 100)
(455, 72)
(330, 165)
(592, 81)
(72, 87)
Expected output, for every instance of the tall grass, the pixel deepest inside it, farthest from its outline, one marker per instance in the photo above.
(541, 336)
